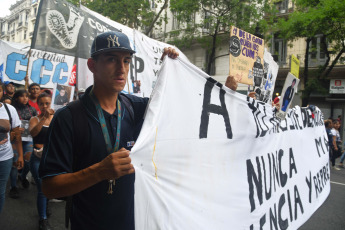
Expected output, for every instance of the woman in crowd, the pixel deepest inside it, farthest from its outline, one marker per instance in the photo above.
(337, 140)
(38, 130)
(25, 111)
(9, 120)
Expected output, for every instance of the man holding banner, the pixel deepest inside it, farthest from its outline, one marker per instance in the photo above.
(101, 176)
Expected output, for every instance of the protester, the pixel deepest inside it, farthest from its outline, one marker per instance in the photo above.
(339, 118)
(336, 141)
(331, 138)
(34, 92)
(38, 130)
(9, 90)
(98, 203)
(9, 120)
(25, 112)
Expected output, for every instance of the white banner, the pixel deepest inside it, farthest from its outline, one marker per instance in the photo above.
(210, 158)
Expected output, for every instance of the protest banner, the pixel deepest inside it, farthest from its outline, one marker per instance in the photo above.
(210, 158)
(265, 91)
(246, 57)
(64, 30)
(44, 68)
(295, 66)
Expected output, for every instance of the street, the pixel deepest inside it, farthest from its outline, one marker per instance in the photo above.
(22, 213)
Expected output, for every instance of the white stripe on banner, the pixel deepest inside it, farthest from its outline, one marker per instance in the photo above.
(224, 161)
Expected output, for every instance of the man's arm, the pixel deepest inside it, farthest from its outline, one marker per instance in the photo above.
(114, 166)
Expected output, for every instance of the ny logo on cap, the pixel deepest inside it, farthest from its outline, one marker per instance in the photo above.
(114, 41)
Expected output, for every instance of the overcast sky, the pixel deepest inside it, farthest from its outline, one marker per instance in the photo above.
(5, 5)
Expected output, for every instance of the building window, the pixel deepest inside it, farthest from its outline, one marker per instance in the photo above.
(175, 21)
(316, 50)
(278, 49)
(24, 34)
(282, 5)
(153, 5)
(207, 20)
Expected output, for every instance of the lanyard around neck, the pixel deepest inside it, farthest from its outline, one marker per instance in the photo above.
(105, 131)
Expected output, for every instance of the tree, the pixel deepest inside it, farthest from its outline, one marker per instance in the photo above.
(311, 18)
(216, 18)
(136, 14)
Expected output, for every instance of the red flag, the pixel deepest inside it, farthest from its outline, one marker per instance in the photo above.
(73, 78)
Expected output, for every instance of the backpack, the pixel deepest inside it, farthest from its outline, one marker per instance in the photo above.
(81, 133)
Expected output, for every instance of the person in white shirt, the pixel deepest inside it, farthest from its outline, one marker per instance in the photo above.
(9, 120)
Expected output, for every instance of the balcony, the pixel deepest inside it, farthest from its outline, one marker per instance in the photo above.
(22, 25)
(4, 35)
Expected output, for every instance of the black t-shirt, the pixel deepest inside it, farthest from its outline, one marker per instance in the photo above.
(93, 208)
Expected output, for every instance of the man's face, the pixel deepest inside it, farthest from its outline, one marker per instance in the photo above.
(10, 88)
(293, 84)
(62, 92)
(34, 91)
(111, 70)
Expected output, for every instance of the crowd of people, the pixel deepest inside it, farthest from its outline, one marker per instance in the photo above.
(81, 152)
(25, 118)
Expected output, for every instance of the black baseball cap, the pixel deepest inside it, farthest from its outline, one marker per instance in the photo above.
(110, 41)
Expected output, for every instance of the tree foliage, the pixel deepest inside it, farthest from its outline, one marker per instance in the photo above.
(311, 18)
(214, 19)
(136, 14)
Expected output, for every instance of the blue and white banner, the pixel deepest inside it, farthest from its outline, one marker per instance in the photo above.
(210, 158)
(44, 68)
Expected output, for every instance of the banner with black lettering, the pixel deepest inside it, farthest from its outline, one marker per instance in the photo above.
(210, 158)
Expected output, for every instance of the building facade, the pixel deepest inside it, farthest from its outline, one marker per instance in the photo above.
(19, 25)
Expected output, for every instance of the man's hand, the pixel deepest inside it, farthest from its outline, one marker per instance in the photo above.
(48, 113)
(3, 141)
(20, 162)
(252, 95)
(116, 165)
(231, 83)
(172, 53)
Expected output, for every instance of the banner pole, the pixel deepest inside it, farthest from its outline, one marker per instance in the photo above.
(27, 71)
